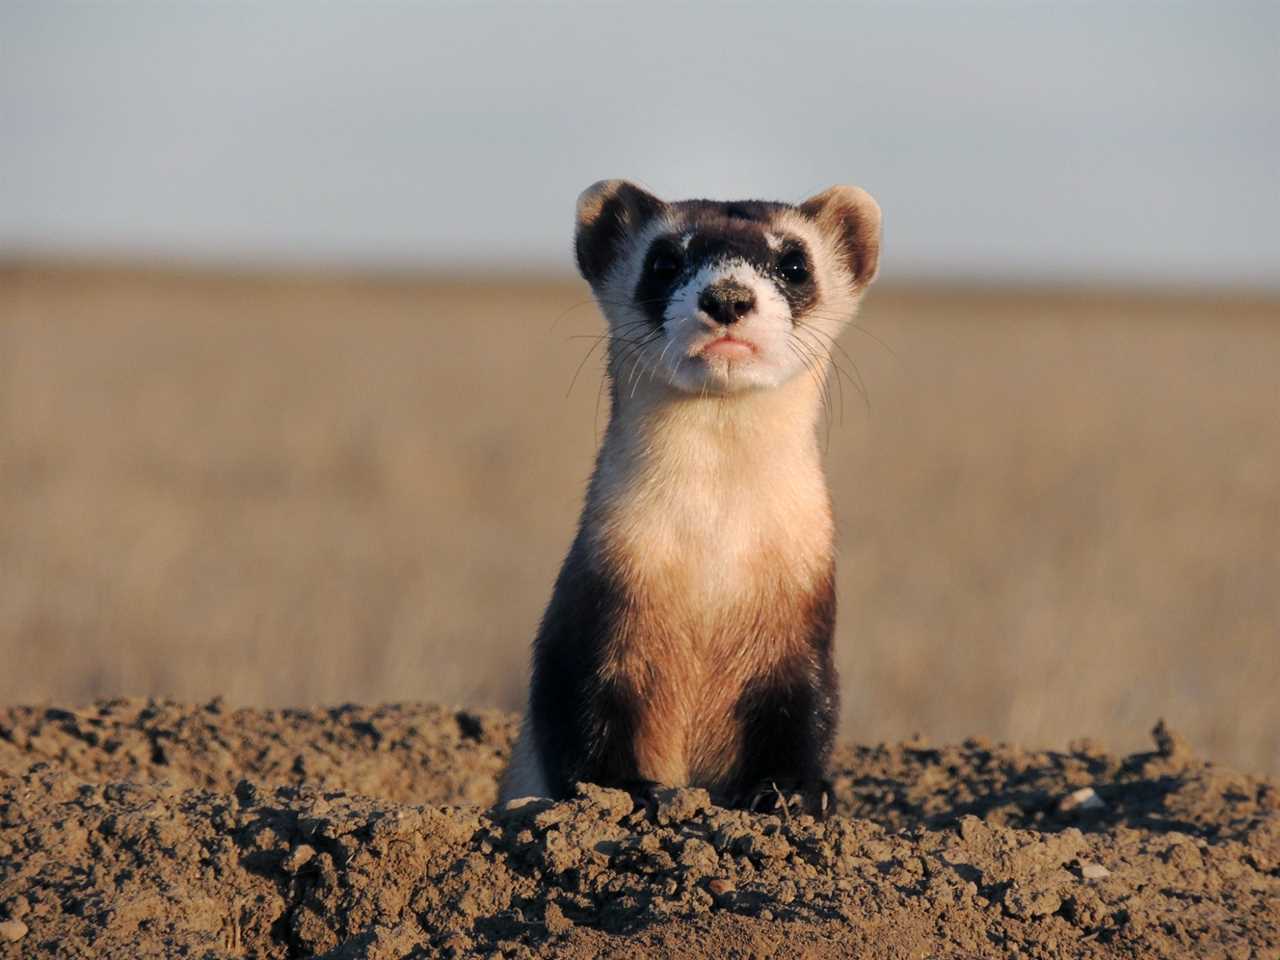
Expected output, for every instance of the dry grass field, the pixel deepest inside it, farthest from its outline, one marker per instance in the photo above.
(1059, 513)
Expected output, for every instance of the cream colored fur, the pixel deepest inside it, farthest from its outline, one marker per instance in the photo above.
(714, 512)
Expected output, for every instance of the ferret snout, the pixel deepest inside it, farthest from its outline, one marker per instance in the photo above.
(727, 301)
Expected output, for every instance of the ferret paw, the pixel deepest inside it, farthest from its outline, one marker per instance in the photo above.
(787, 796)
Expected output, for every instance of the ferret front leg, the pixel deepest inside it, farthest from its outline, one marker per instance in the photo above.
(788, 725)
(585, 731)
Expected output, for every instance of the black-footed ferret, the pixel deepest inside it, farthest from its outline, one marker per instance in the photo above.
(688, 639)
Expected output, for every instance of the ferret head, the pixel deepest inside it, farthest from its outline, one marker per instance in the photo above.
(721, 297)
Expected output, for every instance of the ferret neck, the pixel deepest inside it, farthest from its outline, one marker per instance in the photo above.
(670, 431)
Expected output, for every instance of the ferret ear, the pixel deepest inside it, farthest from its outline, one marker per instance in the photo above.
(851, 218)
(607, 212)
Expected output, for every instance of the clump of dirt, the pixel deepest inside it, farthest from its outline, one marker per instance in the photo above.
(133, 829)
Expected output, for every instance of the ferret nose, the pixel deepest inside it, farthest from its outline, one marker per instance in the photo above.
(727, 301)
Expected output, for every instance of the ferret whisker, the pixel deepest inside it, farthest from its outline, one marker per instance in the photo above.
(658, 362)
(671, 374)
(826, 363)
(631, 327)
(636, 371)
(807, 362)
(635, 350)
(599, 339)
(568, 310)
(867, 333)
(841, 374)
(595, 417)
(582, 363)
(855, 380)
(846, 321)
(828, 338)
(635, 380)
(618, 361)
(596, 301)
(611, 338)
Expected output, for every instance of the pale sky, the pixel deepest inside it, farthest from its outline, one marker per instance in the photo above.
(1122, 142)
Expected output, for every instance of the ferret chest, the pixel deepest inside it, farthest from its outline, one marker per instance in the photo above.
(719, 579)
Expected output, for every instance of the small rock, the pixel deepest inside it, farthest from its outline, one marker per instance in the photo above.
(680, 804)
(1084, 799)
(11, 931)
(615, 804)
(719, 887)
(1019, 902)
(555, 920)
(298, 858)
(519, 803)
(521, 808)
(774, 847)
(1093, 871)
(699, 856)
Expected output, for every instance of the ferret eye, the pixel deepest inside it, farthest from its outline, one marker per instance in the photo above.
(793, 267)
(664, 265)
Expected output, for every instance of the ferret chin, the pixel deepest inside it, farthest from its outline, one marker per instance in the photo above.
(688, 640)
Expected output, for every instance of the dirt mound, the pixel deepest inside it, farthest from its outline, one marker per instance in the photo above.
(152, 829)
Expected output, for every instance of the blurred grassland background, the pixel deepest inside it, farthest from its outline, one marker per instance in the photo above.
(288, 326)
(1058, 512)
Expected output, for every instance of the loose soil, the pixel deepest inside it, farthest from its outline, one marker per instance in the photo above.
(142, 828)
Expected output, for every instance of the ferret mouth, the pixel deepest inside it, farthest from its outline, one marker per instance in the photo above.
(725, 347)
